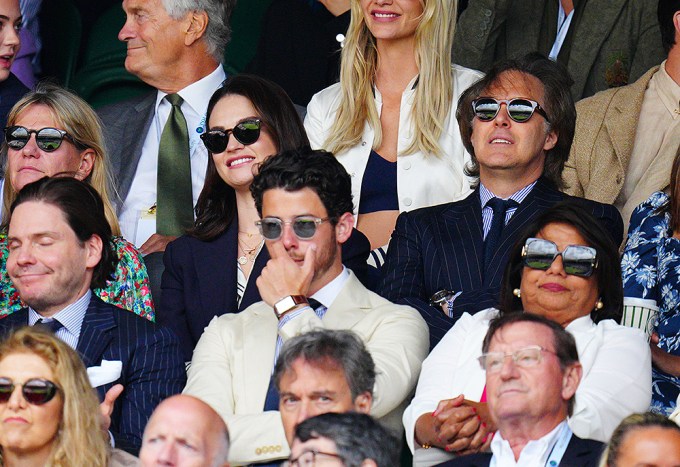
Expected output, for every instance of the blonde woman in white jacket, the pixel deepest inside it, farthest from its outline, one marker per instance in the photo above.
(391, 119)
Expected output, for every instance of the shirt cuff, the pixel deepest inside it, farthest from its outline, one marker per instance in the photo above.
(449, 303)
(292, 315)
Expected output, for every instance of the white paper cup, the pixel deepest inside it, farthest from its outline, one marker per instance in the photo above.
(640, 313)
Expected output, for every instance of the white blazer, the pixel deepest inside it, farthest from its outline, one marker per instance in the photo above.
(422, 179)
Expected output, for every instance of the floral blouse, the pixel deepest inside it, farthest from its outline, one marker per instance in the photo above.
(128, 288)
(651, 270)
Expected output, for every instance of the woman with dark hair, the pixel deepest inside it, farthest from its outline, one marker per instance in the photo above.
(651, 280)
(212, 270)
(564, 267)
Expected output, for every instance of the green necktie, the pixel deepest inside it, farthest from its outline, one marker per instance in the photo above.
(175, 206)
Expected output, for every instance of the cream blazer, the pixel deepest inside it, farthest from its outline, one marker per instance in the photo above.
(422, 179)
(233, 360)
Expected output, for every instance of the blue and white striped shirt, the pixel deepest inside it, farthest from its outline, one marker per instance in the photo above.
(70, 317)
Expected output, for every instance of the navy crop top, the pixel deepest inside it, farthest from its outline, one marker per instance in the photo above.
(379, 185)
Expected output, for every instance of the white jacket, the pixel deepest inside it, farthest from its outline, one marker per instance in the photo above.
(422, 179)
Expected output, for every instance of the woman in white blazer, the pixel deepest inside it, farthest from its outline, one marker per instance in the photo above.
(391, 119)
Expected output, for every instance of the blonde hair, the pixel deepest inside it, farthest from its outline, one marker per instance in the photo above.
(79, 441)
(432, 103)
(76, 117)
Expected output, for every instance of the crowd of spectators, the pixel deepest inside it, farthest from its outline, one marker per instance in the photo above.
(410, 232)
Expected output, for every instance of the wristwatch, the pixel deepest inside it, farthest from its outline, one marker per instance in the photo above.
(286, 304)
(440, 297)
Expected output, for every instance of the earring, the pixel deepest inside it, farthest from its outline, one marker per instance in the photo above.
(598, 304)
(517, 293)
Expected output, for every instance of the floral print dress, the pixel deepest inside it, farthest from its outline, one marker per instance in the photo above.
(651, 270)
(128, 288)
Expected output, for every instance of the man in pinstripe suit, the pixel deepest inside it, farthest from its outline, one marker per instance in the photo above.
(518, 124)
(59, 242)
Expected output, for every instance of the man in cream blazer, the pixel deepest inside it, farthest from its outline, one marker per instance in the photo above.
(626, 138)
(304, 200)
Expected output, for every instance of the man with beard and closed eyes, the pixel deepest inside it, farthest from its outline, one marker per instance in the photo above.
(305, 204)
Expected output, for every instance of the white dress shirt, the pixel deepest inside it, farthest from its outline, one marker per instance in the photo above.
(536, 453)
(142, 194)
(70, 317)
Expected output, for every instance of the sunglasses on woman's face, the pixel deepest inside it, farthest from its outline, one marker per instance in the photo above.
(246, 132)
(577, 260)
(48, 139)
(520, 110)
(36, 391)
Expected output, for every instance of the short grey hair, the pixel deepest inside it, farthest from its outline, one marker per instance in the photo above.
(323, 347)
(218, 32)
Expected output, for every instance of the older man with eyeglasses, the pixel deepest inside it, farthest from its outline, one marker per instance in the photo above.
(305, 204)
(532, 373)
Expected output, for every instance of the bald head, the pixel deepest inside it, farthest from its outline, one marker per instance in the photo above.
(185, 431)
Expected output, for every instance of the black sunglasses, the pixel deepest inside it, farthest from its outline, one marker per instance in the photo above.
(36, 391)
(246, 132)
(48, 139)
(304, 227)
(519, 109)
(577, 260)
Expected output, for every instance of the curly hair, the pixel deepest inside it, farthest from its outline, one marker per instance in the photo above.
(304, 168)
(80, 441)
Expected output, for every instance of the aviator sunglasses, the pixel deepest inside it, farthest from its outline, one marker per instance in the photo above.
(48, 139)
(246, 132)
(304, 227)
(577, 260)
(520, 110)
(36, 391)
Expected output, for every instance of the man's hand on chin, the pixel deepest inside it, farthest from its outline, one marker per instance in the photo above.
(283, 276)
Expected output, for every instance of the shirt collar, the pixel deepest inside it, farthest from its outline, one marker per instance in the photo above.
(669, 91)
(537, 449)
(327, 294)
(485, 194)
(197, 94)
(70, 317)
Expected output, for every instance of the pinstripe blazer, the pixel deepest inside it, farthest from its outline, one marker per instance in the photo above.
(153, 368)
(442, 247)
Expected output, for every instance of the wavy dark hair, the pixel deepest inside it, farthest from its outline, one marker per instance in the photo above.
(216, 206)
(608, 272)
(83, 210)
(317, 170)
(665, 12)
(558, 105)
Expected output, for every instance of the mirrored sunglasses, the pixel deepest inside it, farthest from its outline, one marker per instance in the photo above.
(304, 227)
(48, 139)
(36, 391)
(577, 260)
(246, 133)
(520, 110)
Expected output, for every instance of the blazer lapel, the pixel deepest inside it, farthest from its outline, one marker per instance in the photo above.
(599, 15)
(95, 333)
(14, 321)
(255, 358)
(461, 241)
(132, 141)
(349, 307)
(216, 260)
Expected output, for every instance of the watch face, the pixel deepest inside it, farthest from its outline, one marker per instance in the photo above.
(439, 297)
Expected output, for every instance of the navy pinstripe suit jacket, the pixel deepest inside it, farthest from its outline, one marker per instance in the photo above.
(442, 247)
(153, 368)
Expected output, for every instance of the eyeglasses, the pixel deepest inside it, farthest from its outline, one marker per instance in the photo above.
(36, 391)
(246, 132)
(47, 139)
(527, 357)
(519, 109)
(304, 227)
(577, 260)
(308, 459)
